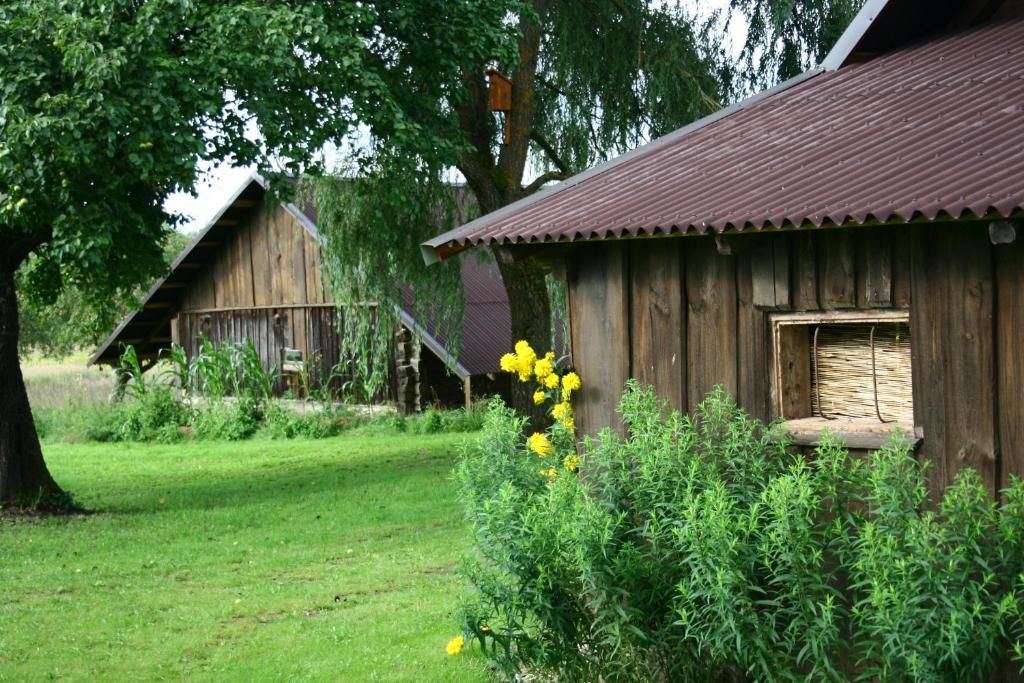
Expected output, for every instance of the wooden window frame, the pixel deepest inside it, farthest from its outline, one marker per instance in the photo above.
(791, 380)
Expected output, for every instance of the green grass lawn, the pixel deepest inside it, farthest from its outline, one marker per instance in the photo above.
(328, 560)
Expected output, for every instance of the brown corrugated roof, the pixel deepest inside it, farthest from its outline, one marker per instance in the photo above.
(486, 323)
(934, 130)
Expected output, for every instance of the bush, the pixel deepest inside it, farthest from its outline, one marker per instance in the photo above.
(704, 549)
(222, 420)
(282, 423)
(433, 421)
(155, 414)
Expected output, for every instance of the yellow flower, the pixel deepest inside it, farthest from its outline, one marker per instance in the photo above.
(485, 628)
(571, 462)
(570, 424)
(525, 358)
(455, 645)
(571, 382)
(538, 397)
(551, 381)
(540, 444)
(543, 368)
(551, 473)
(561, 410)
(509, 362)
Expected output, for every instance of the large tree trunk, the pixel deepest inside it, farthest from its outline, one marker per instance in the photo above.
(24, 479)
(530, 309)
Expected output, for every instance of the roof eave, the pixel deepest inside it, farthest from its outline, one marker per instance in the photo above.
(449, 243)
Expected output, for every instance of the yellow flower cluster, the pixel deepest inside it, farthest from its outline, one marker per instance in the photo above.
(570, 383)
(455, 645)
(545, 366)
(526, 364)
(521, 362)
(540, 444)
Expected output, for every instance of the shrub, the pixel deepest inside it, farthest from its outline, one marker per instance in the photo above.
(282, 423)
(154, 414)
(223, 420)
(434, 421)
(704, 549)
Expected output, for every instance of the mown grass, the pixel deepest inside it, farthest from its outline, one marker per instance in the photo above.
(328, 560)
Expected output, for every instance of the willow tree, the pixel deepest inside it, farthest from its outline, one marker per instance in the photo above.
(590, 79)
(105, 107)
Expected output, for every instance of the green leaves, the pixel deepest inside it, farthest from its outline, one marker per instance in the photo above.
(703, 549)
(786, 37)
(106, 107)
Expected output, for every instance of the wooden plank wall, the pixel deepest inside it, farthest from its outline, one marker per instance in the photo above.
(637, 305)
(268, 259)
(600, 334)
(271, 330)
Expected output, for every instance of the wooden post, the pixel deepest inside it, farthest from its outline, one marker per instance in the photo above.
(467, 390)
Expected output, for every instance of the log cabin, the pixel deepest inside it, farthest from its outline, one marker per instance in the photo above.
(844, 250)
(254, 271)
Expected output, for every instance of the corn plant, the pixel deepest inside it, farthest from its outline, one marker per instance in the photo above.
(129, 375)
(179, 370)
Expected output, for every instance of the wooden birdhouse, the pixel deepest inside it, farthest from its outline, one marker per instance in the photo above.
(499, 96)
(499, 92)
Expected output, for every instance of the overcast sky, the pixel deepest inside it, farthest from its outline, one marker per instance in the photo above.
(218, 184)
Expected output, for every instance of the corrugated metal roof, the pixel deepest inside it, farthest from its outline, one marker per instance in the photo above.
(934, 130)
(486, 323)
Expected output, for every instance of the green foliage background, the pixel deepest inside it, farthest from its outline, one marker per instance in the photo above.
(73, 321)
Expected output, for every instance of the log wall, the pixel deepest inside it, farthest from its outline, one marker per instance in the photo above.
(685, 314)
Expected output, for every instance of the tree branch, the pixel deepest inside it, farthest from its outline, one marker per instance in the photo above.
(550, 151)
(512, 159)
(543, 180)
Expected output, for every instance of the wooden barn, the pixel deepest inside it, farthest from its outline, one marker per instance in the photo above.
(841, 251)
(255, 271)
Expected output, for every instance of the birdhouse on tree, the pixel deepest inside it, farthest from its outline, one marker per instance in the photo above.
(499, 96)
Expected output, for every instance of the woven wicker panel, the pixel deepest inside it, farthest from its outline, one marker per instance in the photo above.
(845, 382)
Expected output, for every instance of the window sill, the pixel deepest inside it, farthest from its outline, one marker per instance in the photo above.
(855, 433)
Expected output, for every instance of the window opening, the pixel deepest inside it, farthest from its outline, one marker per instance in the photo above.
(861, 371)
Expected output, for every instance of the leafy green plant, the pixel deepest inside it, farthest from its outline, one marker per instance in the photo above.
(703, 548)
(224, 420)
(282, 423)
(155, 415)
(433, 421)
(178, 369)
(130, 377)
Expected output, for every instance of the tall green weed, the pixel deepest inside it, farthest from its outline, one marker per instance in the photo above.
(703, 548)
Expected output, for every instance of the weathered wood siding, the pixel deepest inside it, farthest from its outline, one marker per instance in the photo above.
(685, 314)
(268, 259)
(264, 282)
(271, 331)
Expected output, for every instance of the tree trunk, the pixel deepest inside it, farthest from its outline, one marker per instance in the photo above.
(24, 479)
(531, 320)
